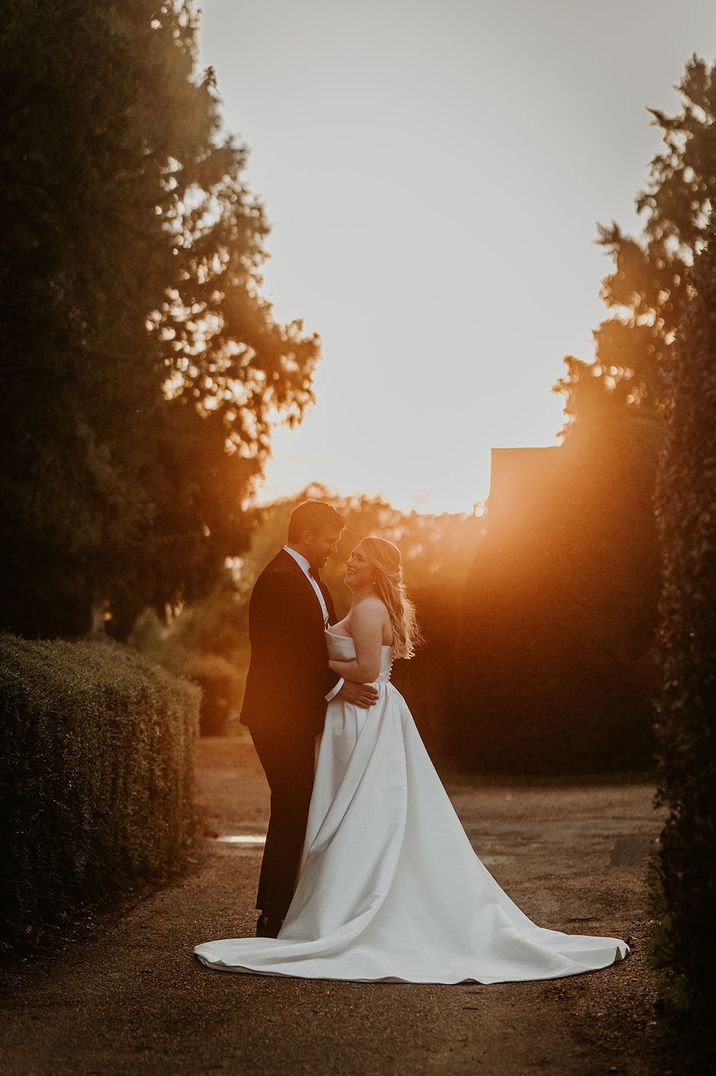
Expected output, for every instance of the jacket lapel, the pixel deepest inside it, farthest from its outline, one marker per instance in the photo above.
(310, 593)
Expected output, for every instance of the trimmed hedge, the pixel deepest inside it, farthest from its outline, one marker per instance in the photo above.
(554, 669)
(96, 777)
(684, 879)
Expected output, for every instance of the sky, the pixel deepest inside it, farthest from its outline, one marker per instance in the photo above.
(433, 172)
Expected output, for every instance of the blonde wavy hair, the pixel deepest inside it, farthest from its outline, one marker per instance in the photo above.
(385, 559)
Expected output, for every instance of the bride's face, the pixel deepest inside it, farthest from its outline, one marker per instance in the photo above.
(360, 573)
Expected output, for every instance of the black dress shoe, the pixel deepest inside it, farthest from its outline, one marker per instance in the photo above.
(267, 926)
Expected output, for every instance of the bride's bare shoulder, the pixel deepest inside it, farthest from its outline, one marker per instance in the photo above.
(370, 608)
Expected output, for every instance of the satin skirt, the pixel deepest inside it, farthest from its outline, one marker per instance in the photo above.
(389, 886)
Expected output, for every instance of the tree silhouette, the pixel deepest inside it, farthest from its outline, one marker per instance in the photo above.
(141, 365)
(647, 290)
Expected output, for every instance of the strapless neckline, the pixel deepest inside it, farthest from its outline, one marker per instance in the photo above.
(336, 635)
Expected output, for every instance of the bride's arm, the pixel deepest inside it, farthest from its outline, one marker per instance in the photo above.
(367, 629)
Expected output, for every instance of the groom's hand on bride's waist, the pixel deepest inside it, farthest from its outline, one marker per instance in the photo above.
(362, 695)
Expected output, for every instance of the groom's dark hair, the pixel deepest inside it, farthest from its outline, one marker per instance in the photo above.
(311, 516)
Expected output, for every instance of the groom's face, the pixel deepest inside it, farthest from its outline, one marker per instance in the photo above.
(320, 544)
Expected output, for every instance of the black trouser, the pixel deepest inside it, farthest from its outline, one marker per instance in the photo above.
(287, 757)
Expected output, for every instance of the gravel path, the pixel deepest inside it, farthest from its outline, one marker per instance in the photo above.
(131, 998)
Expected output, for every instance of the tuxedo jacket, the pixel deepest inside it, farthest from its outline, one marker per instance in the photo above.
(288, 675)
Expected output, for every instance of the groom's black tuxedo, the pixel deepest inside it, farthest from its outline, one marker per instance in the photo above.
(284, 707)
(288, 675)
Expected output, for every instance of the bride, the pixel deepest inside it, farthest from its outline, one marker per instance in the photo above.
(389, 887)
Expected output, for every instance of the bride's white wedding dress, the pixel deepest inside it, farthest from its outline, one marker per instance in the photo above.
(389, 886)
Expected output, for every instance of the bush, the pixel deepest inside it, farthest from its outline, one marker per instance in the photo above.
(218, 682)
(207, 642)
(96, 777)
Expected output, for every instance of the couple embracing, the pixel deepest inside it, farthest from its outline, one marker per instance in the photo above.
(367, 871)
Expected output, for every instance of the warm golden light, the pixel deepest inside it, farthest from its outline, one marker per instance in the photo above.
(434, 174)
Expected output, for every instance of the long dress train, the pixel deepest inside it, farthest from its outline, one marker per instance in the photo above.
(389, 886)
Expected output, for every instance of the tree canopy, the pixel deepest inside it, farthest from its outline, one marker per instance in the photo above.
(143, 368)
(647, 290)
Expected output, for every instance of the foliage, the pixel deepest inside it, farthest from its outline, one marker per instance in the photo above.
(96, 778)
(554, 667)
(686, 741)
(647, 289)
(142, 367)
(207, 642)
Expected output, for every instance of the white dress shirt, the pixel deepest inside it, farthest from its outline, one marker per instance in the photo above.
(305, 567)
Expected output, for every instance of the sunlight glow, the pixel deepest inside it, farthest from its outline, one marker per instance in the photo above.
(434, 173)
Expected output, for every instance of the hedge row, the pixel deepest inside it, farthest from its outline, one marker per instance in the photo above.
(554, 669)
(96, 775)
(685, 876)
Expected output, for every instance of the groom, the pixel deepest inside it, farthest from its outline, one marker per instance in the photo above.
(288, 687)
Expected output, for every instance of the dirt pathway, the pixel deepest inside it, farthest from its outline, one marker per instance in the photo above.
(132, 998)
